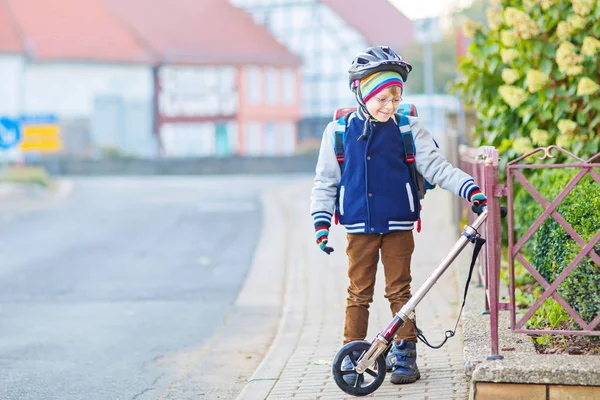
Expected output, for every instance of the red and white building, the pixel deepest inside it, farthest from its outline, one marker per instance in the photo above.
(175, 79)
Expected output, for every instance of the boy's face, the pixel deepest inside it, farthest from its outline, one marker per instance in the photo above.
(385, 103)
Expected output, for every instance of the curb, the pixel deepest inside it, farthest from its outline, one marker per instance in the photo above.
(288, 334)
(19, 191)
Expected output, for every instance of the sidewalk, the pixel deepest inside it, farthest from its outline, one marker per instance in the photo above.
(298, 365)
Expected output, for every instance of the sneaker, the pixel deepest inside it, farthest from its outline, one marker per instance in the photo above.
(403, 355)
(347, 365)
(390, 359)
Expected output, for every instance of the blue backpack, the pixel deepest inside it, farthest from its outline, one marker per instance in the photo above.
(341, 116)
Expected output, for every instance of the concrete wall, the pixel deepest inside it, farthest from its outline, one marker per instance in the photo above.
(11, 80)
(181, 166)
(70, 89)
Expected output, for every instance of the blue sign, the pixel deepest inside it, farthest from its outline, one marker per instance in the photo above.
(10, 133)
(39, 119)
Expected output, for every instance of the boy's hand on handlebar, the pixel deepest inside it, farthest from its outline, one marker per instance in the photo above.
(322, 235)
(479, 202)
(479, 206)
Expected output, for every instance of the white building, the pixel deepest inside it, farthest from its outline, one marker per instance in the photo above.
(121, 80)
(327, 34)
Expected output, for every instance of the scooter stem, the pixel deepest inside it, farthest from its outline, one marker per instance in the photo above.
(406, 312)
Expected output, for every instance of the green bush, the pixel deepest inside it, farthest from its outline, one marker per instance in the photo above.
(532, 76)
(26, 175)
(551, 249)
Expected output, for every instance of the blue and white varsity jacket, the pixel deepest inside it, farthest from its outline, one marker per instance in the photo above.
(375, 193)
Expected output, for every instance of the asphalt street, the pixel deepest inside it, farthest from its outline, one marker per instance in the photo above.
(99, 289)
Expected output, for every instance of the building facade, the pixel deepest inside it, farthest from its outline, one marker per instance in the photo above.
(162, 82)
(326, 35)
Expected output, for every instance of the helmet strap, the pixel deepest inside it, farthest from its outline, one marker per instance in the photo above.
(361, 102)
(363, 106)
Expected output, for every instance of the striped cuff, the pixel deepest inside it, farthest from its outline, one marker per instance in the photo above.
(476, 195)
(321, 218)
(466, 188)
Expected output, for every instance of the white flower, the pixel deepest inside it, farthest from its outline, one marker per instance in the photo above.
(563, 30)
(576, 21)
(509, 76)
(568, 60)
(590, 46)
(513, 96)
(470, 27)
(583, 7)
(566, 126)
(525, 27)
(536, 80)
(522, 145)
(546, 4)
(540, 137)
(494, 18)
(586, 86)
(563, 142)
(508, 38)
(508, 55)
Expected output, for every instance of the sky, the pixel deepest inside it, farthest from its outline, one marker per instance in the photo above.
(415, 9)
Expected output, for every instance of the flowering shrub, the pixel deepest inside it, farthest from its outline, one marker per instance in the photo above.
(533, 76)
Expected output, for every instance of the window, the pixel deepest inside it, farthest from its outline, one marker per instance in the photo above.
(289, 86)
(271, 85)
(188, 139)
(288, 133)
(233, 137)
(253, 85)
(270, 140)
(253, 139)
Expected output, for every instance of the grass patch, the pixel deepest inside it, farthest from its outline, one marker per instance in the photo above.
(26, 175)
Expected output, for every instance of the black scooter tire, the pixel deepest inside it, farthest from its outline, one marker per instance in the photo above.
(378, 373)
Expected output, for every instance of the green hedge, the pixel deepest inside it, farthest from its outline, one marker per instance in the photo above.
(532, 75)
(551, 249)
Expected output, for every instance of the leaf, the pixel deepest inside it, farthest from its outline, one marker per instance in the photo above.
(546, 67)
(537, 47)
(595, 122)
(563, 106)
(546, 115)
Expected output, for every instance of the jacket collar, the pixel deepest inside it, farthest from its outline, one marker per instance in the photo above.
(361, 115)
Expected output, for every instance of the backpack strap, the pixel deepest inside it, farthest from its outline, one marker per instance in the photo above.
(407, 138)
(340, 140)
(409, 151)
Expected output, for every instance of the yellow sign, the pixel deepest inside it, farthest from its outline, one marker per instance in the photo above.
(41, 138)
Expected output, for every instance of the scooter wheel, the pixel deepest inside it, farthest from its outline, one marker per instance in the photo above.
(348, 380)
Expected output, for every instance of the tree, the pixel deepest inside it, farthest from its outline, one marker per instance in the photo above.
(532, 76)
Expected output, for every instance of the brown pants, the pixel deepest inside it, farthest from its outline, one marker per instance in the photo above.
(363, 255)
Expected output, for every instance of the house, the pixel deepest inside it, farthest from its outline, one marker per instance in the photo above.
(217, 74)
(327, 34)
(158, 82)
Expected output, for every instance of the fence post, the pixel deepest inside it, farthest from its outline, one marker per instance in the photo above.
(494, 245)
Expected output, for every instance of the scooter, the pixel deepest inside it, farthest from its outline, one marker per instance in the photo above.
(370, 367)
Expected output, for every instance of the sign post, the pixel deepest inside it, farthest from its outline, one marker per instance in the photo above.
(10, 136)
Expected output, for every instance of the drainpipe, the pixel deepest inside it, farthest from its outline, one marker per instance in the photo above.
(157, 120)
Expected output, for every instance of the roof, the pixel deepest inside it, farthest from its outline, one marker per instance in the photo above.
(201, 32)
(75, 29)
(10, 41)
(138, 31)
(379, 22)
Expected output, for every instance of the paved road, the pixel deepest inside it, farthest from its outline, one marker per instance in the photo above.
(102, 294)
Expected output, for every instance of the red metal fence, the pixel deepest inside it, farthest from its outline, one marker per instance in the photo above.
(515, 177)
(482, 164)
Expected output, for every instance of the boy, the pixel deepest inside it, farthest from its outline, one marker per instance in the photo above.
(376, 199)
